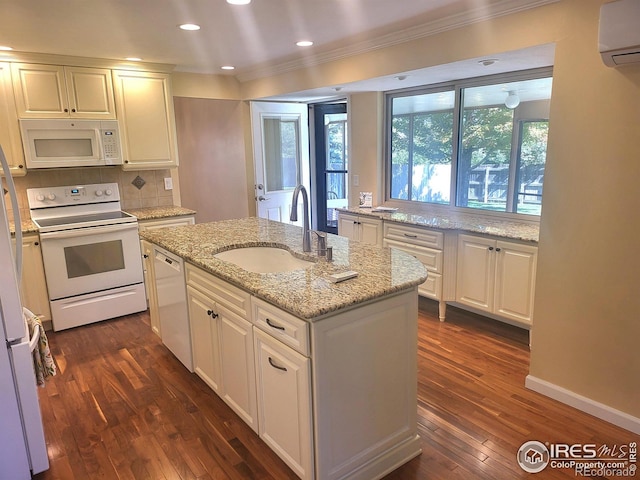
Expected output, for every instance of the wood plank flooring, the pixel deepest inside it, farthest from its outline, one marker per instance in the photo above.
(122, 407)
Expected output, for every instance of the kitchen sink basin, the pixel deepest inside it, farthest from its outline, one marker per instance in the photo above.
(263, 259)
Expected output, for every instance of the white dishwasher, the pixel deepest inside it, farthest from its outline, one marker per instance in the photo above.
(172, 305)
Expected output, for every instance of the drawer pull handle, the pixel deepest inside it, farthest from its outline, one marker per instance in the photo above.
(409, 235)
(273, 325)
(274, 365)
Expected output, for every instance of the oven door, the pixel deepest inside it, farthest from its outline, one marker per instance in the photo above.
(86, 260)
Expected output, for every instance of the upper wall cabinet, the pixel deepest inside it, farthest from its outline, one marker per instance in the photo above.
(145, 112)
(54, 91)
(9, 129)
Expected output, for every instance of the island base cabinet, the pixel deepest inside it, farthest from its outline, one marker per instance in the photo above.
(284, 402)
(365, 389)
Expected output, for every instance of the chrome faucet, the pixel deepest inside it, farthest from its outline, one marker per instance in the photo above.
(306, 232)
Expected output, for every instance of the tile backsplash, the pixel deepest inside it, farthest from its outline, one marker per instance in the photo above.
(151, 194)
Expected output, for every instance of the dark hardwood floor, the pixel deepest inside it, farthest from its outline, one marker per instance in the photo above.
(123, 407)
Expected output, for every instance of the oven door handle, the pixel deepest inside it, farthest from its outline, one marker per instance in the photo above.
(84, 232)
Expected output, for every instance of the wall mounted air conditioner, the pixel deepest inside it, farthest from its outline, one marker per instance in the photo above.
(619, 36)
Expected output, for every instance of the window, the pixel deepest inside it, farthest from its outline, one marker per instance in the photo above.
(461, 145)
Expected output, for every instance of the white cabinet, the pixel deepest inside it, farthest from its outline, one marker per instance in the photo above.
(497, 276)
(360, 228)
(222, 341)
(33, 285)
(284, 399)
(150, 286)
(55, 91)
(9, 127)
(205, 338)
(427, 246)
(147, 126)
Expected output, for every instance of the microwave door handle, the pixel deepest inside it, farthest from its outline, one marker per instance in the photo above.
(83, 232)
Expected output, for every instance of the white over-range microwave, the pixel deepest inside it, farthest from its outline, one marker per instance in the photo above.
(53, 143)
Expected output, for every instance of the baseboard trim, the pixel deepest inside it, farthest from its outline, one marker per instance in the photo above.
(600, 410)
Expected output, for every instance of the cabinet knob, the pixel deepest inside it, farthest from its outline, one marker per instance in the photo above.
(498, 249)
(36, 243)
(73, 110)
(211, 314)
(66, 110)
(20, 166)
(490, 249)
(145, 256)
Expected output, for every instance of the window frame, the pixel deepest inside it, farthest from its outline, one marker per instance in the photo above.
(457, 86)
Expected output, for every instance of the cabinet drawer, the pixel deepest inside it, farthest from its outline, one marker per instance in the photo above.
(235, 299)
(431, 287)
(430, 258)
(413, 235)
(285, 327)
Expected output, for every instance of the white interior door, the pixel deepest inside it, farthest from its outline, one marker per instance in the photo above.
(280, 156)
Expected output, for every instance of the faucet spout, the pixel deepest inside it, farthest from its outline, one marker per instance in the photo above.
(306, 232)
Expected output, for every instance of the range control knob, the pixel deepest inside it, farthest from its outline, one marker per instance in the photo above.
(108, 192)
(98, 193)
(40, 197)
(51, 196)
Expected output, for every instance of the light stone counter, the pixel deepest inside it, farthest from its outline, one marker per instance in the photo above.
(509, 229)
(155, 213)
(307, 294)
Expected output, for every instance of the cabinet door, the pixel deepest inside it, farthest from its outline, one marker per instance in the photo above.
(90, 93)
(476, 270)
(515, 280)
(33, 286)
(284, 399)
(370, 230)
(40, 91)
(147, 126)
(150, 286)
(347, 226)
(205, 339)
(10, 131)
(238, 366)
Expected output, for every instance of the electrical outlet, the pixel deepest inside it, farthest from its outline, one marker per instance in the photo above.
(356, 180)
(168, 183)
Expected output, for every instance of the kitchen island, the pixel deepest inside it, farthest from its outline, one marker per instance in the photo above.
(324, 372)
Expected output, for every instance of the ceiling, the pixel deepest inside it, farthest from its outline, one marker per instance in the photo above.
(257, 39)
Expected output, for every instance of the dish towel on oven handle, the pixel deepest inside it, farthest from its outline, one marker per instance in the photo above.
(43, 364)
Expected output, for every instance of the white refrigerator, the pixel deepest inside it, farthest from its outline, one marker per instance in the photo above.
(23, 450)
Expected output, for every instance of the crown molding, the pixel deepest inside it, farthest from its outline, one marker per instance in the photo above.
(469, 17)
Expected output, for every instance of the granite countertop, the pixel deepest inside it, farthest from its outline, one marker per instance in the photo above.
(26, 224)
(509, 229)
(308, 293)
(154, 213)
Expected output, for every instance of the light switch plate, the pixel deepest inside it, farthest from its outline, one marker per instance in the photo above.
(168, 183)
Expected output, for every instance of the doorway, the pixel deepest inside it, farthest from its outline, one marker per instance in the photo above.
(331, 163)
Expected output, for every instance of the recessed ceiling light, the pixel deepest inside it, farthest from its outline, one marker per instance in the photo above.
(304, 43)
(239, 2)
(5, 49)
(228, 67)
(401, 77)
(488, 61)
(134, 59)
(190, 26)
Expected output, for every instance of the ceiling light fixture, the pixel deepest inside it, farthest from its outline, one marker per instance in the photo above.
(228, 67)
(190, 26)
(5, 49)
(304, 43)
(401, 77)
(239, 2)
(134, 59)
(337, 89)
(512, 100)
